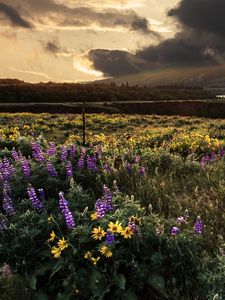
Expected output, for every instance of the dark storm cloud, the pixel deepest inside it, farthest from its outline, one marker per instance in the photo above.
(49, 12)
(203, 15)
(13, 16)
(115, 62)
(200, 41)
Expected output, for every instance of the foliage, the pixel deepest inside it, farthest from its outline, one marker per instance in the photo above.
(130, 216)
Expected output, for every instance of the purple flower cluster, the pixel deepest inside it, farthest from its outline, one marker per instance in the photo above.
(72, 150)
(15, 155)
(41, 194)
(69, 169)
(51, 169)
(81, 162)
(51, 151)
(103, 205)
(91, 163)
(110, 238)
(142, 171)
(198, 228)
(37, 153)
(6, 170)
(175, 230)
(129, 167)
(36, 203)
(7, 203)
(63, 156)
(206, 159)
(134, 228)
(25, 166)
(63, 204)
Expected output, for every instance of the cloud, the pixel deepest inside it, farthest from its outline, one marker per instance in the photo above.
(63, 15)
(53, 46)
(13, 16)
(202, 15)
(200, 42)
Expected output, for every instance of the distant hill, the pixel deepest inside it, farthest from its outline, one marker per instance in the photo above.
(202, 77)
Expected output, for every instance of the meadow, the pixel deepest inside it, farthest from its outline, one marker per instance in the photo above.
(136, 213)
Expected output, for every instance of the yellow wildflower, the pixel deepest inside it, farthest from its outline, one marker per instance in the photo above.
(56, 252)
(52, 236)
(98, 233)
(62, 244)
(115, 227)
(50, 219)
(95, 260)
(127, 232)
(135, 220)
(88, 255)
(106, 251)
(94, 216)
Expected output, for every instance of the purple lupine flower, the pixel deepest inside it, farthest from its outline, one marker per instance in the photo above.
(108, 198)
(69, 169)
(36, 203)
(6, 271)
(174, 231)
(63, 204)
(100, 208)
(142, 171)
(72, 150)
(51, 169)
(25, 167)
(110, 238)
(63, 156)
(7, 204)
(198, 228)
(91, 163)
(80, 163)
(51, 151)
(41, 194)
(6, 170)
(37, 152)
(134, 228)
(128, 167)
(15, 155)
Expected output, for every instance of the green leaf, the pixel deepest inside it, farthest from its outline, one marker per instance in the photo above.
(57, 267)
(158, 283)
(120, 281)
(31, 281)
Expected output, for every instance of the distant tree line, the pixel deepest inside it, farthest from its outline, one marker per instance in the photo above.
(16, 91)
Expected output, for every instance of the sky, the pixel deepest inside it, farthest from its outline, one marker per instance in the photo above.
(85, 40)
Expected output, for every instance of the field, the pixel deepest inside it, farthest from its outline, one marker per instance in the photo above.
(138, 213)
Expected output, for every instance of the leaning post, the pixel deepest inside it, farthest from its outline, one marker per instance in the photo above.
(84, 124)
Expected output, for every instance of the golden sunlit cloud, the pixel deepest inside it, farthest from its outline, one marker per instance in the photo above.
(83, 64)
(118, 4)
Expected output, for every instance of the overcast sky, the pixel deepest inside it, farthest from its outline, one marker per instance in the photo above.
(82, 40)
